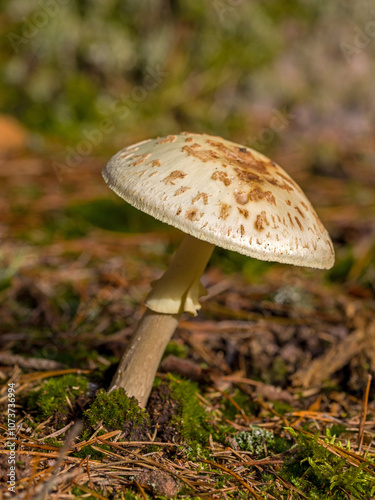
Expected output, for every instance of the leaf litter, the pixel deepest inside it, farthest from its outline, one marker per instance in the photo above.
(266, 394)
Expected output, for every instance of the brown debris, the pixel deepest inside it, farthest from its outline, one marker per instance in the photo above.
(7, 358)
(335, 358)
(160, 482)
(278, 338)
(184, 367)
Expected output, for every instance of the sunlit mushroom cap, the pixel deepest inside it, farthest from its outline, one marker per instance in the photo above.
(223, 193)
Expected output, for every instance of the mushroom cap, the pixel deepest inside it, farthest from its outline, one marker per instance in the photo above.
(224, 193)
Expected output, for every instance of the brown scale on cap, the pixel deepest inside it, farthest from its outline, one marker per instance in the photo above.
(206, 155)
(299, 223)
(258, 194)
(224, 211)
(154, 163)
(166, 140)
(221, 176)
(140, 159)
(240, 156)
(248, 169)
(305, 245)
(243, 212)
(203, 196)
(176, 174)
(290, 220)
(300, 212)
(247, 177)
(275, 226)
(193, 214)
(181, 190)
(227, 182)
(261, 221)
(281, 185)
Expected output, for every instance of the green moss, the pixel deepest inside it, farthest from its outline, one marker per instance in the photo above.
(195, 451)
(243, 401)
(53, 442)
(86, 451)
(130, 495)
(337, 429)
(30, 423)
(191, 420)
(279, 371)
(77, 356)
(78, 492)
(221, 432)
(320, 473)
(174, 349)
(51, 399)
(282, 408)
(115, 410)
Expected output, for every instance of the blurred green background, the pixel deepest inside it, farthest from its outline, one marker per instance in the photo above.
(223, 67)
(291, 78)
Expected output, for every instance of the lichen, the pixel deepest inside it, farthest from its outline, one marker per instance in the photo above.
(257, 440)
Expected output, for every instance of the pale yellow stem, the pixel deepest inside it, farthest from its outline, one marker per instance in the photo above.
(137, 369)
(177, 291)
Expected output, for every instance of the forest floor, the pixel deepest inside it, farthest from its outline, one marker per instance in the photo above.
(265, 394)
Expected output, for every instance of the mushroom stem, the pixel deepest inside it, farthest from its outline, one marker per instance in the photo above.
(177, 291)
(137, 369)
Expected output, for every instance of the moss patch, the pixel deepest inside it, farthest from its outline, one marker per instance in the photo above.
(57, 398)
(322, 469)
(175, 408)
(115, 410)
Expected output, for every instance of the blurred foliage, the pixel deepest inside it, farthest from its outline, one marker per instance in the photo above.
(115, 216)
(150, 68)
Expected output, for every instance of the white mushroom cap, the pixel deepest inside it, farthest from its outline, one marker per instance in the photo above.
(223, 193)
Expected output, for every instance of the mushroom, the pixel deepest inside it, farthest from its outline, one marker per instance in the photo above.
(218, 193)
